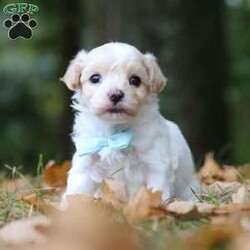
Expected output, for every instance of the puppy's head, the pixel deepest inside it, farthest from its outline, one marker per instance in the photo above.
(115, 80)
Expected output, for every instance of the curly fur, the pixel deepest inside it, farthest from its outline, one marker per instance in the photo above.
(158, 158)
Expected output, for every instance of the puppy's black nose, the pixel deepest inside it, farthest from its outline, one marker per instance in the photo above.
(116, 96)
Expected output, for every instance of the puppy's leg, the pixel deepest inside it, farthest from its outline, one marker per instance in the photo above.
(79, 178)
(185, 180)
(186, 184)
(157, 181)
(182, 162)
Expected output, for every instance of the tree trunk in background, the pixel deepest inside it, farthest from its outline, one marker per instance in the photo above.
(197, 72)
(188, 37)
(69, 42)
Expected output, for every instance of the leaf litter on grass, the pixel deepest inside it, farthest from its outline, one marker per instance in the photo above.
(219, 220)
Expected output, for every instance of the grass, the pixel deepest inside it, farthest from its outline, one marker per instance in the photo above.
(12, 207)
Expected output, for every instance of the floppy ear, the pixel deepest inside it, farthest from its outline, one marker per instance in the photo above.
(73, 72)
(157, 80)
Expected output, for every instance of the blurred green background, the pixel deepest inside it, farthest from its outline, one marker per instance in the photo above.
(203, 48)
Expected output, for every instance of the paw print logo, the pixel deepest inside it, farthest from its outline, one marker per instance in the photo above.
(20, 26)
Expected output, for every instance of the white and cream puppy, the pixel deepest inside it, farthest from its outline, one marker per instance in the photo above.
(118, 130)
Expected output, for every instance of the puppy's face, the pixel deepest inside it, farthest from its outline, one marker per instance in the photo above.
(115, 80)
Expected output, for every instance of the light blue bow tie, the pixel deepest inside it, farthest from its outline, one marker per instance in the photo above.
(95, 144)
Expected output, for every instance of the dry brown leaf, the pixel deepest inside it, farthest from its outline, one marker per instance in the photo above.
(205, 208)
(42, 205)
(114, 192)
(245, 221)
(79, 200)
(230, 174)
(231, 208)
(242, 196)
(244, 171)
(56, 175)
(226, 209)
(213, 237)
(25, 231)
(238, 224)
(186, 210)
(211, 171)
(145, 204)
(242, 242)
(86, 225)
(190, 210)
(181, 207)
(11, 185)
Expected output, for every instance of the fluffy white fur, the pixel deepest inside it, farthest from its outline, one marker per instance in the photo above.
(158, 157)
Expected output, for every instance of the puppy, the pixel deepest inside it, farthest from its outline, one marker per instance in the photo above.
(118, 130)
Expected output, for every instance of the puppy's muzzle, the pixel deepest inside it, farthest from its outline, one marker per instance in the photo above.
(116, 96)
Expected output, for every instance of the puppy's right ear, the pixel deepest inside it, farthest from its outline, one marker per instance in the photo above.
(73, 72)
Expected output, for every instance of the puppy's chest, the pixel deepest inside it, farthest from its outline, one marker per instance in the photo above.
(121, 162)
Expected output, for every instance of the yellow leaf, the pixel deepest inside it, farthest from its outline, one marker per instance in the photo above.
(114, 192)
(244, 171)
(242, 196)
(184, 209)
(145, 204)
(25, 231)
(210, 171)
(55, 175)
(42, 205)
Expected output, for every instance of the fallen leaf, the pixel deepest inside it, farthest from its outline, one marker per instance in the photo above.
(114, 192)
(186, 210)
(205, 208)
(242, 242)
(25, 231)
(245, 222)
(231, 174)
(20, 184)
(86, 225)
(211, 171)
(56, 175)
(189, 210)
(39, 203)
(145, 204)
(242, 196)
(244, 171)
(213, 237)
(238, 225)
(76, 200)
(231, 208)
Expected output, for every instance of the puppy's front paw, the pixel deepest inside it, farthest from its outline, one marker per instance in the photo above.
(78, 183)
(64, 203)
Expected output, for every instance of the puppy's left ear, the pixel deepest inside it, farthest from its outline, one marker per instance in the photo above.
(157, 80)
(73, 73)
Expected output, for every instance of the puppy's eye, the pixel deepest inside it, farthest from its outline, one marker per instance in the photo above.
(135, 81)
(96, 78)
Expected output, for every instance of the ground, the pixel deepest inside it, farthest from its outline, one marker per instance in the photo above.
(30, 216)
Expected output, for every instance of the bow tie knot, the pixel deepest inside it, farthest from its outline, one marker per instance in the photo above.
(95, 144)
